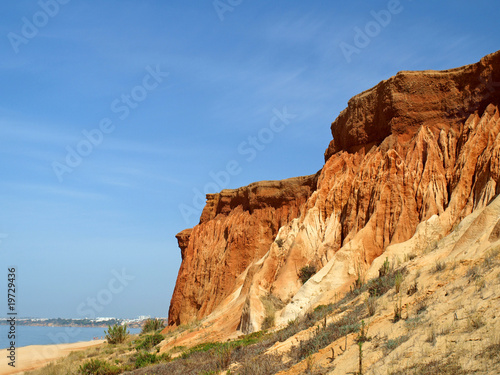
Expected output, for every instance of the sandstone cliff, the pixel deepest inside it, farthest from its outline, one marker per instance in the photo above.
(416, 145)
(236, 228)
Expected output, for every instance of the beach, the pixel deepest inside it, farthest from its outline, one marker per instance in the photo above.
(36, 356)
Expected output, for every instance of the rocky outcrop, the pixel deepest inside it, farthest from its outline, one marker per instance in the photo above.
(418, 144)
(236, 228)
(401, 105)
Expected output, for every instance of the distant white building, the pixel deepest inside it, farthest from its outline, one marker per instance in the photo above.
(103, 319)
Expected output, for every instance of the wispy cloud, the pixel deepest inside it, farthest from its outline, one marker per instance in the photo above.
(52, 191)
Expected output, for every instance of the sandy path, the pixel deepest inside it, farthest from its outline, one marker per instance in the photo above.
(35, 356)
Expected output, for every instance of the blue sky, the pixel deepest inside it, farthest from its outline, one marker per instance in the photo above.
(172, 93)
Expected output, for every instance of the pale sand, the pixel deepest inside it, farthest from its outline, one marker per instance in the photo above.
(36, 356)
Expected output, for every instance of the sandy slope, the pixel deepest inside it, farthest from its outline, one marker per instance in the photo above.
(35, 356)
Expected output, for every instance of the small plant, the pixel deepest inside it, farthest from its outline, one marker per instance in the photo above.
(439, 266)
(384, 268)
(98, 367)
(398, 279)
(412, 289)
(280, 242)
(311, 364)
(370, 305)
(149, 341)
(224, 356)
(145, 359)
(116, 334)
(306, 273)
(151, 325)
(360, 281)
(361, 339)
(398, 310)
(431, 338)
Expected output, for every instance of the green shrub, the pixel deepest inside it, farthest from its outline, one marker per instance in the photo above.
(151, 325)
(116, 334)
(382, 284)
(149, 341)
(398, 310)
(384, 268)
(398, 279)
(145, 359)
(359, 283)
(306, 272)
(98, 367)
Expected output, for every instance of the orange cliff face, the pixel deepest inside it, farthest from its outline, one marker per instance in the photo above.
(416, 145)
(236, 228)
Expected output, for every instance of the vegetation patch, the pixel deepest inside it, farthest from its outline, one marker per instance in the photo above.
(98, 367)
(149, 341)
(152, 325)
(271, 305)
(145, 359)
(116, 334)
(306, 273)
(439, 266)
(433, 368)
(325, 336)
(392, 344)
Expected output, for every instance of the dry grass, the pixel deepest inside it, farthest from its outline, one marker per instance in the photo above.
(371, 305)
(271, 305)
(432, 368)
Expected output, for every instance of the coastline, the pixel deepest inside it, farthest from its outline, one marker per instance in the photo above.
(35, 356)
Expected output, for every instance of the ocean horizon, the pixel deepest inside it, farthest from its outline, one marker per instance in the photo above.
(42, 335)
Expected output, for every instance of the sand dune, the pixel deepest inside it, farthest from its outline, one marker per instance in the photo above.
(35, 356)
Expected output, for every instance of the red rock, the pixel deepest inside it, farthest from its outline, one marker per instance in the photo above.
(236, 228)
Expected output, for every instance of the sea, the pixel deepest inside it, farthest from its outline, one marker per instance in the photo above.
(34, 335)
